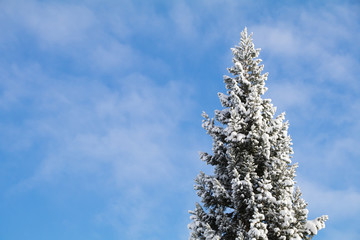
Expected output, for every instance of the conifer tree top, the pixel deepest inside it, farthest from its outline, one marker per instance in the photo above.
(251, 194)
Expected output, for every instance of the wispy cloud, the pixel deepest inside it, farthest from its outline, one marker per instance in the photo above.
(315, 37)
(342, 206)
(107, 139)
(102, 96)
(52, 23)
(127, 127)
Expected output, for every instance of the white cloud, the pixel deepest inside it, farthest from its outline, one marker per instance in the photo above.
(277, 38)
(133, 215)
(315, 41)
(121, 137)
(290, 95)
(341, 206)
(338, 204)
(130, 129)
(184, 20)
(51, 23)
(114, 55)
(104, 131)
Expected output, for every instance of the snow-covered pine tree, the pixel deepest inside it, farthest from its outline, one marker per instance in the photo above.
(251, 194)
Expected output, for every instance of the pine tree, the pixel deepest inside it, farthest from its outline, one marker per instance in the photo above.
(251, 194)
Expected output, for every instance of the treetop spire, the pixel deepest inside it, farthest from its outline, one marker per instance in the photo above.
(251, 194)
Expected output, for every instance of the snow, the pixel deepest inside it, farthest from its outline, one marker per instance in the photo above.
(311, 225)
(315, 225)
(252, 164)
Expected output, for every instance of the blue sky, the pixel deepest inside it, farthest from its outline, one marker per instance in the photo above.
(101, 101)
